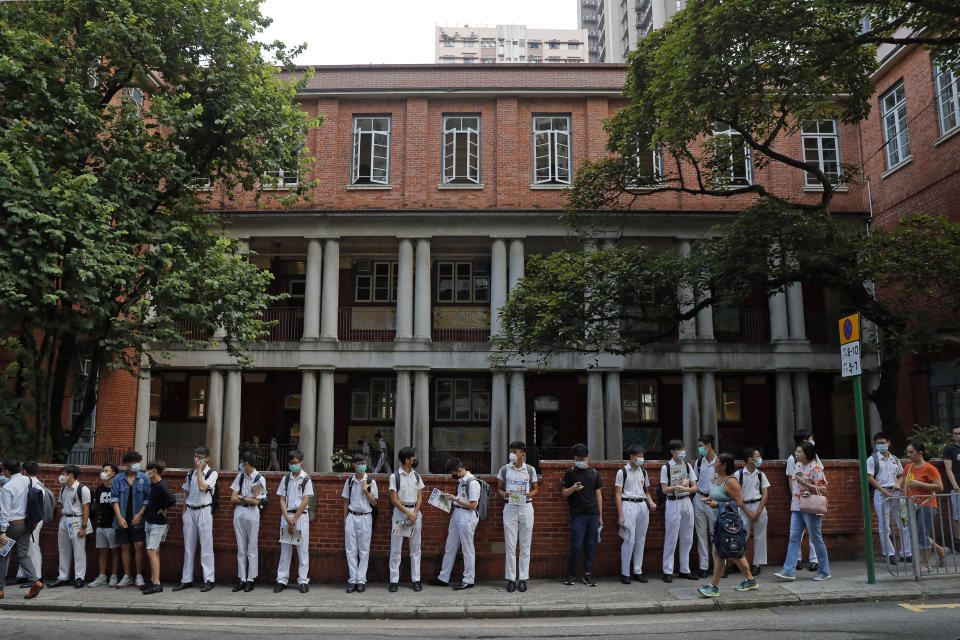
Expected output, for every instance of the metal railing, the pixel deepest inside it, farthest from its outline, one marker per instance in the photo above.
(97, 456)
(289, 324)
(179, 456)
(475, 461)
(654, 331)
(753, 328)
(921, 535)
(360, 324)
(461, 325)
(821, 328)
(191, 330)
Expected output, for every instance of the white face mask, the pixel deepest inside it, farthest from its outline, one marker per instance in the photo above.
(62, 479)
(104, 476)
(681, 455)
(758, 462)
(513, 458)
(638, 462)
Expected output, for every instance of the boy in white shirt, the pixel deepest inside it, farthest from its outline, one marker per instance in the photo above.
(517, 484)
(72, 531)
(360, 497)
(634, 505)
(406, 496)
(678, 481)
(883, 472)
(248, 491)
(295, 490)
(754, 486)
(463, 524)
(703, 516)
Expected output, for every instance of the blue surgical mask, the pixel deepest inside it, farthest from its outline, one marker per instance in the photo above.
(639, 462)
(882, 448)
(758, 462)
(294, 468)
(135, 467)
(812, 442)
(702, 451)
(361, 468)
(513, 458)
(580, 464)
(4, 480)
(240, 467)
(681, 455)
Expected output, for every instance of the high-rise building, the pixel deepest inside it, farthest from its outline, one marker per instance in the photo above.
(509, 43)
(615, 26)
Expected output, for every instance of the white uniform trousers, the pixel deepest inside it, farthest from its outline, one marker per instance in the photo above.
(246, 525)
(758, 530)
(679, 532)
(886, 511)
(197, 524)
(703, 518)
(34, 552)
(396, 547)
(303, 553)
(463, 524)
(636, 518)
(518, 532)
(72, 550)
(357, 531)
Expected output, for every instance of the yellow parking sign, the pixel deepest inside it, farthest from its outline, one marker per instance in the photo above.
(850, 329)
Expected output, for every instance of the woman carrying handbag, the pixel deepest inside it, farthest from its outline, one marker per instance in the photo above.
(807, 508)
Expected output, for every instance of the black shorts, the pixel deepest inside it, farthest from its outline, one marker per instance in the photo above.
(130, 535)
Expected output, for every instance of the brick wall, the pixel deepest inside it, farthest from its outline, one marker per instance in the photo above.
(842, 528)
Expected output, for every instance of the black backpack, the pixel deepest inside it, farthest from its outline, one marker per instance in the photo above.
(262, 503)
(373, 508)
(35, 507)
(729, 534)
(215, 502)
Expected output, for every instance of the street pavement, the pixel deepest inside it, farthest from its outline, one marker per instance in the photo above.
(545, 598)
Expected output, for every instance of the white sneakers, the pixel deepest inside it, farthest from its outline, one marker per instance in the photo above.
(113, 580)
(140, 582)
(126, 582)
(820, 578)
(784, 576)
(99, 582)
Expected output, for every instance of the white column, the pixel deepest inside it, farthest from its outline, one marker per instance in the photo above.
(331, 290)
(325, 422)
(613, 416)
(230, 455)
(215, 416)
(311, 294)
(421, 419)
(498, 421)
(498, 283)
(516, 262)
(785, 418)
(779, 329)
(688, 328)
(803, 421)
(421, 303)
(690, 412)
(795, 315)
(708, 404)
(405, 290)
(705, 323)
(518, 406)
(308, 419)
(876, 423)
(595, 435)
(142, 429)
(402, 425)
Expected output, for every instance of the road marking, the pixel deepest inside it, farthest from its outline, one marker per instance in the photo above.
(919, 608)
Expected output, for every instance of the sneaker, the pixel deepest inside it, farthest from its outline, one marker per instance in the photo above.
(99, 582)
(784, 576)
(709, 591)
(114, 580)
(813, 566)
(569, 580)
(140, 582)
(746, 585)
(820, 577)
(589, 580)
(151, 589)
(125, 582)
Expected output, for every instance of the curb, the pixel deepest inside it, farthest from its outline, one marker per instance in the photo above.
(474, 612)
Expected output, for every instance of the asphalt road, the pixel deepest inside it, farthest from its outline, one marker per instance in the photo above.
(869, 621)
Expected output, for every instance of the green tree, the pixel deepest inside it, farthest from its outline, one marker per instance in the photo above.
(112, 111)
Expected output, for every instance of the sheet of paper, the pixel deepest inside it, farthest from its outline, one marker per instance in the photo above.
(624, 533)
(400, 529)
(5, 549)
(289, 537)
(677, 476)
(518, 498)
(437, 500)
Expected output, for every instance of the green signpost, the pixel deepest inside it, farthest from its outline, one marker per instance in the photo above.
(850, 367)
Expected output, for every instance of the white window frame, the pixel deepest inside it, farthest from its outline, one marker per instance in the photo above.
(379, 141)
(380, 392)
(656, 164)
(646, 412)
(458, 140)
(813, 139)
(282, 179)
(732, 179)
(475, 279)
(947, 85)
(896, 135)
(553, 145)
(134, 95)
(391, 275)
(474, 392)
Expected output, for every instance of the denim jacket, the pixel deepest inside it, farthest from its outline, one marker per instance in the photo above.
(120, 493)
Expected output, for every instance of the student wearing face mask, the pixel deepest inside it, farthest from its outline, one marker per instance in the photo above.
(678, 482)
(107, 544)
(200, 483)
(517, 484)
(406, 497)
(74, 501)
(754, 486)
(884, 470)
(249, 488)
(634, 505)
(129, 494)
(463, 524)
(582, 488)
(294, 492)
(703, 515)
(359, 498)
(14, 491)
(157, 523)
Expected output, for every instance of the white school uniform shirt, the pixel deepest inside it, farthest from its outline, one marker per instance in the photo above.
(358, 501)
(411, 484)
(517, 480)
(247, 490)
(688, 472)
(753, 483)
(890, 469)
(195, 497)
(468, 490)
(705, 474)
(293, 494)
(72, 503)
(13, 499)
(632, 481)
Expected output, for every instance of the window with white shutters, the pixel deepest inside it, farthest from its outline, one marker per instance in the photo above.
(461, 150)
(551, 150)
(371, 150)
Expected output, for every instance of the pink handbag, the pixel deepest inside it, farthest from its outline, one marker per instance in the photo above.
(814, 503)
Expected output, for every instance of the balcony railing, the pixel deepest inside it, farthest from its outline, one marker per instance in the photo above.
(362, 324)
(653, 332)
(289, 326)
(451, 324)
(751, 327)
(822, 328)
(191, 330)
(475, 461)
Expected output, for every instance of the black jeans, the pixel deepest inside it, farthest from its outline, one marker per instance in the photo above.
(583, 535)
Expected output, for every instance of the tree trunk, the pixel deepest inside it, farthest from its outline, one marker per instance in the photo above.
(885, 396)
(60, 373)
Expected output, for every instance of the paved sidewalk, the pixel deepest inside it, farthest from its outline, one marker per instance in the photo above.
(544, 598)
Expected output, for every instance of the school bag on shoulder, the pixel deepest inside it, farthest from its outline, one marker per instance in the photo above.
(759, 481)
(215, 501)
(311, 500)
(483, 503)
(49, 505)
(729, 534)
(397, 482)
(262, 502)
(38, 506)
